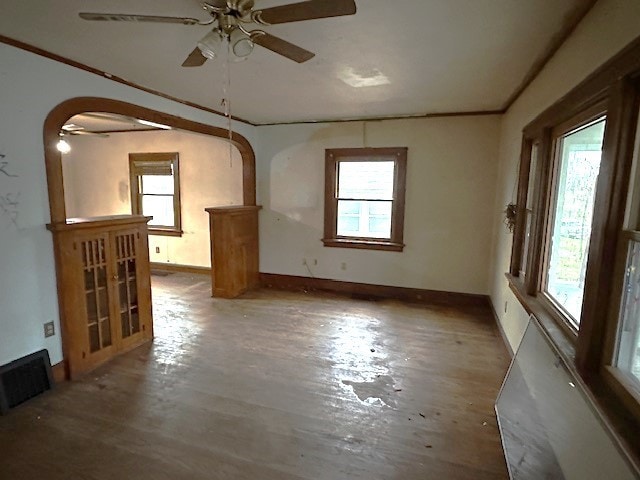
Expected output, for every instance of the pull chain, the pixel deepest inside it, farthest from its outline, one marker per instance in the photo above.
(226, 101)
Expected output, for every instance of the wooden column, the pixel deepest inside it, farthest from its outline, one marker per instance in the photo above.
(234, 249)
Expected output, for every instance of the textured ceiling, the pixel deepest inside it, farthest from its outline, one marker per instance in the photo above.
(431, 56)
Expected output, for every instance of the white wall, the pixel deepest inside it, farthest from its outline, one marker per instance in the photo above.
(30, 87)
(96, 180)
(451, 174)
(608, 28)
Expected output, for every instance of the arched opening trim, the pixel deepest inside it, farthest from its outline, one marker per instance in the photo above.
(67, 109)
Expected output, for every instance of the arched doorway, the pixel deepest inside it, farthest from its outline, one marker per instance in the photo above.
(61, 113)
(71, 285)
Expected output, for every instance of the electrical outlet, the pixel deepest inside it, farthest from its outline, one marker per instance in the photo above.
(157, 249)
(49, 330)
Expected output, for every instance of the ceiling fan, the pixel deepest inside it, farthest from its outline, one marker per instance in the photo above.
(229, 18)
(73, 129)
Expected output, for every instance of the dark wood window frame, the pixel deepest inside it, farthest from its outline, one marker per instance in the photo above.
(136, 194)
(613, 89)
(333, 157)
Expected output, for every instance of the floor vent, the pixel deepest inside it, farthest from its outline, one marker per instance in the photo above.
(23, 379)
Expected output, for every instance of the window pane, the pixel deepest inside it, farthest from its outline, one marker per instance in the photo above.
(380, 226)
(349, 218)
(380, 219)
(527, 238)
(366, 180)
(158, 184)
(364, 218)
(160, 207)
(580, 153)
(349, 226)
(532, 175)
(628, 358)
(349, 207)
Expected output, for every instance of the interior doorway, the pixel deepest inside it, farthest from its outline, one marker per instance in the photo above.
(88, 198)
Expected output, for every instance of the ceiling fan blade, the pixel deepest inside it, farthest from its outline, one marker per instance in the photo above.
(195, 59)
(122, 17)
(282, 47)
(309, 10)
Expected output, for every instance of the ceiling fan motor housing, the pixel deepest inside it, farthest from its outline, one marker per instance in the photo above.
(243, 7)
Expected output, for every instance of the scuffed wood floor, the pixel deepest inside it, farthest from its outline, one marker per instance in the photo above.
(275, 385)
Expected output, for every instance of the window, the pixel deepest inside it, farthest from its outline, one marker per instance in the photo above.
(364, 198)
(623, 354)
(627, 356)
(524, 215)
(575, 261)
(576, 167)
(155, 190)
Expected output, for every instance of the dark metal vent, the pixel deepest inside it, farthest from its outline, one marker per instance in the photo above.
(23, 379)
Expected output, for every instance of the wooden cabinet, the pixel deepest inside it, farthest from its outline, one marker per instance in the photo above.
(104, 288)
(234, 249)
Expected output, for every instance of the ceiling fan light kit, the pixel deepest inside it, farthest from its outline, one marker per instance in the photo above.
(241, 44)
(62, 145)
(209, 45)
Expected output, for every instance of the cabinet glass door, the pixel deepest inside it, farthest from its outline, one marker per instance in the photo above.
(96, 293)
(127, 284)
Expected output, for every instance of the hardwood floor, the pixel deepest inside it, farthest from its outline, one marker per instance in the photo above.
(275, 385)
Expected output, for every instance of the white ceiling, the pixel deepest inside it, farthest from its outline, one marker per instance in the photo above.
(438, 55)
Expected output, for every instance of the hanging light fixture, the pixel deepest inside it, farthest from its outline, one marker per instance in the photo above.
(241, 44)
(209, 45)
(62, 145)
(230, 28)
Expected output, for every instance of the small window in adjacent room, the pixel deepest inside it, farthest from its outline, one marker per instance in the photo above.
(364, 198)
(155, 190)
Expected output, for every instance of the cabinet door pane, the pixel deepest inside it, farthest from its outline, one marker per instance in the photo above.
(96, 293)
(125, 324)
(127, 288)
(135, 320)
(94, 338)
(133, 292)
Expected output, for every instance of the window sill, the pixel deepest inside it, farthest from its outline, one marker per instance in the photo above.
(363, 244)
(165, 232)
(607, 408)
(565, 342)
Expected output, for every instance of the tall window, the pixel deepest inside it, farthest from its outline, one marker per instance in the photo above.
(155, 190)
(624, 354)
(627, 351)
(575, 261)
(364, 198)
(577, 163)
